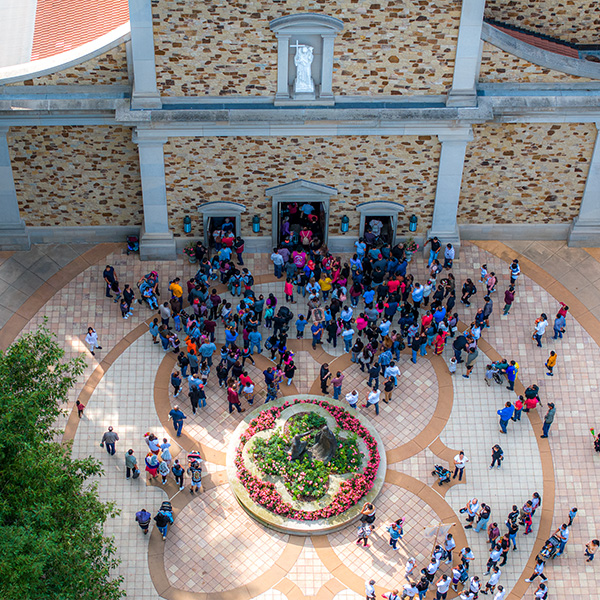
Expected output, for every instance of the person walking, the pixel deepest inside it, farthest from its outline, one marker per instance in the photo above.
(373, 399)
(511, 375)
(233, 398)
(352, 399)
(551, 363)
(337, 384)
(163, 469)
(542, 592)
(395, 535)
(364, 531)
(91, 339)
(442, 585)
(177, 416)
(80, 408)
(572, 515)
(370, 589)
(109, 440)
(163, 519)
(143, 520)
(540, 328)
(509, 298)
(130, 464)
(490, 586)
(176, 383)
(110, 277)
(483, 518)
(460, 462)
(562, 533)
(497, 456)
(506, 414)
(590, 550)
(195, 472)
(178, 472)
(548, 420)
(470, 362)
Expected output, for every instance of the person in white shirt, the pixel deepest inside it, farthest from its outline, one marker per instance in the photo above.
(393, 371)
(373, 399)
(538, 571)
(91, 339)
(443, 585)
(432, 568)
(393, 595)
(540, 328)
(449, 545)
(352, 398)
(409, 568)
(474, 584)
(370, 589)
(490, 586)
(541, 592)
(376, 226)
(409, 590)
(472, 508)
(501, 593)
(460, 460)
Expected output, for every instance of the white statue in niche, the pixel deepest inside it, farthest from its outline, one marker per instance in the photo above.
(303, 61)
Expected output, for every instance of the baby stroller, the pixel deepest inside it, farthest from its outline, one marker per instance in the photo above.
(133, 244)
(166, 506)
(550, 548)
(442, 473)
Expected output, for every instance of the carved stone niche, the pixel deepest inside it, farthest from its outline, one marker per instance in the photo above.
(305, 58)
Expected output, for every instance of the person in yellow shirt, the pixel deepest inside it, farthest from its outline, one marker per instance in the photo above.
(550, 363)
(325, 284)
(176, 288)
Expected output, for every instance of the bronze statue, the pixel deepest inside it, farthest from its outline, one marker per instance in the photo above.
(325, 447)
(298, 448)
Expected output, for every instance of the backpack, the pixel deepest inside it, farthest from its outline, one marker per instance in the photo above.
(250, 280)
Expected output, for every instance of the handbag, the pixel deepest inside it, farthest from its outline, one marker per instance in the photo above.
(136, 473)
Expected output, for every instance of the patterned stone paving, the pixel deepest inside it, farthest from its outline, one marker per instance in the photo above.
(218, 546)
(473, 425)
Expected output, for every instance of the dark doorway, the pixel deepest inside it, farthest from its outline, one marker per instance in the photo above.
(295, 216)
(380, 228)
(219, 224)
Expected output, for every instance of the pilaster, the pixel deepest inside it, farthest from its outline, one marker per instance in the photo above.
(468, 55)
(449, 181)
(156, 240)
(145, 91)
(13, 232)
(585, 230)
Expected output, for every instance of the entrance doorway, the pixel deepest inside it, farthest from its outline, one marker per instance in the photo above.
(216, 225)
(295, 216)
(379, 229)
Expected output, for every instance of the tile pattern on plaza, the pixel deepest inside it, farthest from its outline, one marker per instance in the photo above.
(472, 424)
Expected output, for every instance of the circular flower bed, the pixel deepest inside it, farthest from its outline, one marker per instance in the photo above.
(299, 480)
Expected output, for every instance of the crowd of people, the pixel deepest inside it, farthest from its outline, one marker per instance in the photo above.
(374, 307)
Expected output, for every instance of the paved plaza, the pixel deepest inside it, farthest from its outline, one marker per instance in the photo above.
(214, 549)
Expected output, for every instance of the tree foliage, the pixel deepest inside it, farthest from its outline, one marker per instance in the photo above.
(51, 520)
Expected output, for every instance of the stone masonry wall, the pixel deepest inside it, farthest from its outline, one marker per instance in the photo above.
(76, 175)
(525, 173)
(224, 47)
(362, 168)
(498, 66)
(574, 21)
(105, 69)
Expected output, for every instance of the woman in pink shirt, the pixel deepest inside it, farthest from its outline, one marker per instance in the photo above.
(361, 323)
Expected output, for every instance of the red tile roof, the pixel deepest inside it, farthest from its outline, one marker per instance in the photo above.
(62, 25)
(538, 42)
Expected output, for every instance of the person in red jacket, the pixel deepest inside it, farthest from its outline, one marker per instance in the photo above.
(233, 397)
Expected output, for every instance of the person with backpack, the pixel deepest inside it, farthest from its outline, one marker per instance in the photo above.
(195, 472)
(179, 473)
(130, 465)
(143, 520)
(164, 518)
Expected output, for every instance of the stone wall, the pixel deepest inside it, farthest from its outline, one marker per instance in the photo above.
(218, 47)
(498, 66)
(574, 21)
(362, 168)
(105, 69)
(76, 175)
(525, 173)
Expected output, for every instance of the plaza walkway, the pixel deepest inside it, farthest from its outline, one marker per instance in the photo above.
(214, 550)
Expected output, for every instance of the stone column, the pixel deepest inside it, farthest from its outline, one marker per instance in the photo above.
(447, 192)
(283, 59)
(468, 55)
(156, 240)
(13, 233)
(326, 91)
(585, 230)
(145, 92)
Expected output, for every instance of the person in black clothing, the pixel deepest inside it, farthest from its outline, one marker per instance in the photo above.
(415, 346)
(468, 289)
(194, 396)
(324, 377)
(331, 329)
(109, 277)
(497, 456)
(374, 375)
(459, 344)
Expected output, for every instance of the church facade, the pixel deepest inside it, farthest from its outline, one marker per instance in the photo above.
(479, 119)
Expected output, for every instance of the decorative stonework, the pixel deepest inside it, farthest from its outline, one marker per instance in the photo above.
(389, 48)
(76, 175)
(525, 173)
(362, 168)
(108, 68)
(498, 66)
(574, 21)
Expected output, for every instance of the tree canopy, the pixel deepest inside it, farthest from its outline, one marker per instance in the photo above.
(51, 520)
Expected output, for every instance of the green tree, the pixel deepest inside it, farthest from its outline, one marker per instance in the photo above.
(51, 520)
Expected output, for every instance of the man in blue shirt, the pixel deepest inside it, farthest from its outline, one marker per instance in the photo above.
(505, 414)
(511, 375)
(177, 416)
(317, 332)
(255, 339)
(368, 297)
(559, 326)
(301, 323)
(206, 352)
